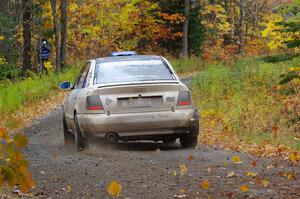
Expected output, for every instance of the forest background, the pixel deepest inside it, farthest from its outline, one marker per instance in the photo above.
(243, 56)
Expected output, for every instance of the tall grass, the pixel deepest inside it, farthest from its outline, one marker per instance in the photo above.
(14, 94)
(244, 97)
(187, 65)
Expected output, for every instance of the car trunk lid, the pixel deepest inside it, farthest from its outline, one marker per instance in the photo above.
(139, 97)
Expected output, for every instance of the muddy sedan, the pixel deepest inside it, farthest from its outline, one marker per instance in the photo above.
(129, 98)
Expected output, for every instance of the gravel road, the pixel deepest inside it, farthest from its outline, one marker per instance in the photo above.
(145, 170)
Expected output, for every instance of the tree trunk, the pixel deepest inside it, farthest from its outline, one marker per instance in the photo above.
(241, 20)
(57, 48)
(185, 28)
(26, 35)
(256, 16)
(63, 29)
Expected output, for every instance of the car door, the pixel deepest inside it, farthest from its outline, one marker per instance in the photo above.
(80, 84)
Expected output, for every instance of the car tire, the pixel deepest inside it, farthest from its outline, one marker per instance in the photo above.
(190, 140)
(68, 136)
(79, 139)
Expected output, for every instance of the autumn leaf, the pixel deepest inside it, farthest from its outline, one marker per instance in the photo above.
(251, 174)
(265, 183)
(191, 157)
(209, 169)
(253, 163)
(293, 158)
(114, 188)
(69, 188)
(230, 174)
(229, 195)
(236, 159)
(174, 173)
(291, 176)
(183, 169)
(204, 184)
(244, 188)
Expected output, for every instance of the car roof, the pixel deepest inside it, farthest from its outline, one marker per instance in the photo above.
(128, 58)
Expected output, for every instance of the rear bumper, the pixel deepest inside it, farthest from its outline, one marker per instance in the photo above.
(135, 124)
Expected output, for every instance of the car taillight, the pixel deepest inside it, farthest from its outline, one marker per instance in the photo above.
(184, 98)
(93, 103)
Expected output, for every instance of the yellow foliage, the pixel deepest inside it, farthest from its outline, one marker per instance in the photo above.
(251, 174)
(205, 184)
(218, 23)
(2, 60)
(48, 65)
(273, 34)
(244, 188)
(114, 188)
(13, 167)
(236, 159)
(183, 169)
(265, 183)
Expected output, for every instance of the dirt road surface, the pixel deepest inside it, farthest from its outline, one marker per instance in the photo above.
(146, 170)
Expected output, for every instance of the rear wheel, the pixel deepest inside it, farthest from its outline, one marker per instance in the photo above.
(68, 136)
(190, 140)
(79, 140)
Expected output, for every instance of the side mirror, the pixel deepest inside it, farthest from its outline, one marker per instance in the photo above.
(65, 86)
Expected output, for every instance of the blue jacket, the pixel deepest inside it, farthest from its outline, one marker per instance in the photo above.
(45, 53)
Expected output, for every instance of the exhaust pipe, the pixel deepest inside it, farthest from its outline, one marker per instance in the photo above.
(112, 137)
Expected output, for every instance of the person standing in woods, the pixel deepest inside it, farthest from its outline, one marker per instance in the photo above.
(45, 54)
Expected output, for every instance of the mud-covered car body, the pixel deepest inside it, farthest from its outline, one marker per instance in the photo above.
(130, 98)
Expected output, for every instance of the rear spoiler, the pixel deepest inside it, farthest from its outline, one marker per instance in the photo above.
(136, 83)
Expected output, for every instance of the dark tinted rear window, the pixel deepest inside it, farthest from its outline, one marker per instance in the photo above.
(132, 71)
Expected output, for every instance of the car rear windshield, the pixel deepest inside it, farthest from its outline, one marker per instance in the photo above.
(132, 71)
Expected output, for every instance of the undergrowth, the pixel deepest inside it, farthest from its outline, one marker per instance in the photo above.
(15, 94)
(244, 100)
(187, 65)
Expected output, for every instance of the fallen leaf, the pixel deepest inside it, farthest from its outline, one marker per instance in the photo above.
(293, 158)
(182, 191)
(114, 188)
(180, 196)
(209, 169)
(265, 183)
(69, 188)
(244, 188)
(236, 159)
(230, 174)
(174, 173)
(253, 163)
(191, 157)
(270, 167)
(251, 174)
(183, 169)
(204, 184)
(291, 176)
(229, 195)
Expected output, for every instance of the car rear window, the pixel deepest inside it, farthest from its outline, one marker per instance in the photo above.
(132, 71)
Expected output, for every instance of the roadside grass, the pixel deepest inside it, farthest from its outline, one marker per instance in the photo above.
(187, 66)
(242, 102)
(14, 95)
